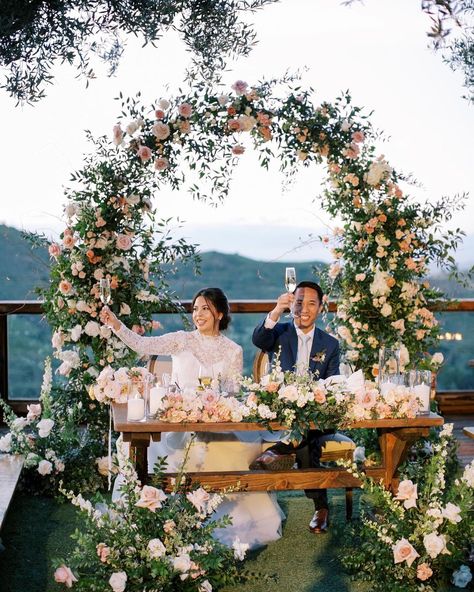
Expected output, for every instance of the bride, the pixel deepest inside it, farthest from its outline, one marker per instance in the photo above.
(256, 517)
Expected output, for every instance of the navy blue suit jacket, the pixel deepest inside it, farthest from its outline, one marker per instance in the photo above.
(283, 335)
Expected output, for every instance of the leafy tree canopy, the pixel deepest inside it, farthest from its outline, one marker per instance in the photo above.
(37, 34)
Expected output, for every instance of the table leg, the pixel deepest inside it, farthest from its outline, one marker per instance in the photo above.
(395, 444)
(139, 443)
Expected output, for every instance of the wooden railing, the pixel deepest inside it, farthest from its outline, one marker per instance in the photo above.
(22, 307)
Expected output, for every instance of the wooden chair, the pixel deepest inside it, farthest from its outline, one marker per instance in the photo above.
(334, 446)
(159, 365)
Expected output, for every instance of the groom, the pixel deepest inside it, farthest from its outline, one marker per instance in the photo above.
(303, 348)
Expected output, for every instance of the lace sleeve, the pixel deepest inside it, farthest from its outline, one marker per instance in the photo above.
(168, 344)
(237, 362)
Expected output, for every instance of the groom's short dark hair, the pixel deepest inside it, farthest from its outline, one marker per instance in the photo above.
(314, 286)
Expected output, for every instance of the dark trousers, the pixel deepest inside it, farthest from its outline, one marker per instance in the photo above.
(308, 455)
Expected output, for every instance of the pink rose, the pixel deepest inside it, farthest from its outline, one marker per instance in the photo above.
(358, 137)
(423, 572)
(123, 242)
(54, 250)
(319, 396)
(118, 135)
(151, 498)
(161, 163)
(161, 130)
(138, 330)
(65, 287)
(272, 387)
(159, 114)
(234, 125)
(404, 551)
(64, 575)
(185, 110)
(199, 499)
(238, 149)
(240, 87)
(144, 153)
(34, 411)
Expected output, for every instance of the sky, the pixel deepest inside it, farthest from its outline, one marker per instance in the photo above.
(378, 50)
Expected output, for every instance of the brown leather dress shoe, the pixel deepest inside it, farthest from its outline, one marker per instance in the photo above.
(271, 461)
(320, 521)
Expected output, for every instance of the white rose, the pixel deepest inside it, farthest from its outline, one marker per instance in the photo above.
(379, 286)
(44, 427)
(70, 209)
(156, 548)
(205, 586)
(386, 310)
(451, 512)
(131, 128)
(76, 333)
(6, 442)
(346, 125)
(82, 306)
(57, 339)
(125, 309)
(19, 423)
(435, 544)
(437, 358)
(163, 104)
(182, 563)
(105, 332)
(468, 475)
(59, 466)
(92, 329)
(377, 171)
(45, 467)
(118, 581)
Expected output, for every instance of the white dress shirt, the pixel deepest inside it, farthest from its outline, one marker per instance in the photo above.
(305, 342)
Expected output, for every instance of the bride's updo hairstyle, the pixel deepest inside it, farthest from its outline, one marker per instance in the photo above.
(216, 297)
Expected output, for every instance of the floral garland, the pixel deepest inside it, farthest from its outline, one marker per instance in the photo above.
(420, 537)
(150, 540)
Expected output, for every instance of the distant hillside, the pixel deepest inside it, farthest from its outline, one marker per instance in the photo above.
(23, 268)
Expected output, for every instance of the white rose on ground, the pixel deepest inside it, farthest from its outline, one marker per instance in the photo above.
(44, 427)
(45, 467)
(6, 443)
(118, 581)
(156, 548)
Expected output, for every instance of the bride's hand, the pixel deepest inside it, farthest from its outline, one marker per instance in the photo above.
(108, 318)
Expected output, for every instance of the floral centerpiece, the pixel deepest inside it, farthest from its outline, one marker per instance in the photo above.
(114, 385)
(298, 401)
(150, 540)
(416, 538)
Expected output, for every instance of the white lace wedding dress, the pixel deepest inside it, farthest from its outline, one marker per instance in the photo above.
(256, 517)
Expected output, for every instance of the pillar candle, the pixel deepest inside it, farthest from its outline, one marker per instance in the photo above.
(422, 393)
(156, 396)
(135, 409)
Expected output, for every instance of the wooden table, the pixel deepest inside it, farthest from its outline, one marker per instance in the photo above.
(395, 437)
(468, 431)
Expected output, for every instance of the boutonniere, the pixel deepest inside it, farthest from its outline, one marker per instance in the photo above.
(319, 356)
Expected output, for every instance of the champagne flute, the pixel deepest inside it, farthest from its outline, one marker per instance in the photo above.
(105, 294)
(205, 377)
(290, 283)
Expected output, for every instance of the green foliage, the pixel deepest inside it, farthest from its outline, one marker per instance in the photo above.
(37, 35)
(414, 541)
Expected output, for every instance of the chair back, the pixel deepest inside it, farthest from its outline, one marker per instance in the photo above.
(260, 365)
(159, 365)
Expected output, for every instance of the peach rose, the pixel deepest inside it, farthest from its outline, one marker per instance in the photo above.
(151, 498)
(358, 137)
(424, 572)
(123, 242)
(404, 551)
(68, 241)
(238, 149)
(65, 287)
(64, 575)
(103, 551)
(54, 250)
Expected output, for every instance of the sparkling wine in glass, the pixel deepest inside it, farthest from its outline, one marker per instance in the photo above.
(205, 377)
(105, 294)
(290, 282)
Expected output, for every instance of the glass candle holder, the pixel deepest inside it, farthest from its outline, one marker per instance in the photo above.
(420, 384)
(135, 404)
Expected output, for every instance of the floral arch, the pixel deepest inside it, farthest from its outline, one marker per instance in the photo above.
(381, 252)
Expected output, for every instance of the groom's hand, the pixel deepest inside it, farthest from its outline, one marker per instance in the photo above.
(284, 303)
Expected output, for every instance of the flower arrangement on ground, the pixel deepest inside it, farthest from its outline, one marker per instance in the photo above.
(53, 451)
(151, 540)
(419, 537)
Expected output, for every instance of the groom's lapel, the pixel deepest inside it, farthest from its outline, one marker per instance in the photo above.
(316, 347)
